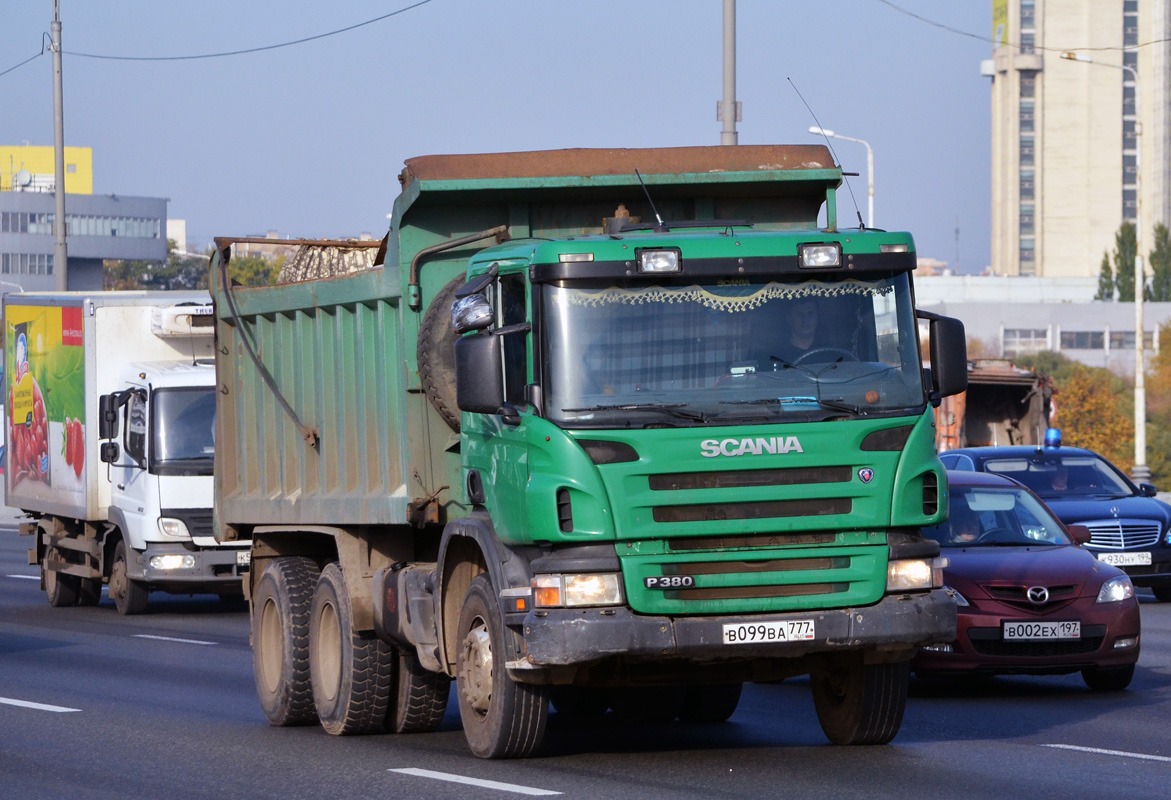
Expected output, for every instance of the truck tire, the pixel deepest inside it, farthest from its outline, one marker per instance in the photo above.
(280, 640)
(420, 700)
(89, 592)
(350, 671)
(859, 703)
(436, 353)
(501, 718)
(712, 703)
(130, 597)
(1162, 593)
(61, 589)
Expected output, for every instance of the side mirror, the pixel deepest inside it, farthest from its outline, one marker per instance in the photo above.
(109, 452)
(108, 416)
(479, 374)
(471, 313)
(949, 356)
(1079, 533)
(1147, 490)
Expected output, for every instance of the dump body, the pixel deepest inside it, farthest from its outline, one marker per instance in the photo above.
(1004, 405)
(617, 473)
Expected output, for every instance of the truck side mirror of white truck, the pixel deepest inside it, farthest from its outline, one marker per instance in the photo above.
(108, 417)
(109, 452)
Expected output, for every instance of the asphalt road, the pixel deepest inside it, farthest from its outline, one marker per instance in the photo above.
(94, 705)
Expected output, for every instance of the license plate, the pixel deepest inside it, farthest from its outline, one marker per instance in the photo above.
(1126, 559)
(243, 558)
(1023, 631)
(794, 630)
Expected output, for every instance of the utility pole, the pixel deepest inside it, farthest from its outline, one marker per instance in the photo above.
(729, 110)
(60, 251)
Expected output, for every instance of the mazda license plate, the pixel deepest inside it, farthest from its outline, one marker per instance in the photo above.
(1031, 631)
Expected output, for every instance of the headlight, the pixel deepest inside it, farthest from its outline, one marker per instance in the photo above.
(175, 528)
(820, 256)
(1116, 589)
(669, 259)
(908, 575)
(174, 561)
(587, 589)
(955, 595)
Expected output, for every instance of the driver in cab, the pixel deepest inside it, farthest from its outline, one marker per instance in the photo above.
(805, 337)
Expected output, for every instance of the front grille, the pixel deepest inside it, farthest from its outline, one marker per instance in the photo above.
(748, 478)
(754, 540)
(1115, 534)
(765, 509)
(1016, 596)
(749, 592)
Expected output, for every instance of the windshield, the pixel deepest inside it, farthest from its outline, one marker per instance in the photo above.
(729, 352)
(183, 431)
(1067, 477)
(993, 517)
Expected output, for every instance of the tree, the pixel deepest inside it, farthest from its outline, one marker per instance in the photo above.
(1124, 250)
(1105, 280)
(177, 272)
(254, 270)
(1160, 261)
(1092, 414)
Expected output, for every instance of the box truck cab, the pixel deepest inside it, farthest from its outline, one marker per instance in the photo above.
(111, 447)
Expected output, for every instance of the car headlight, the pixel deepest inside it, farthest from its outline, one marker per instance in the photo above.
(912, 574)
(955, 595)
(175, 528)
(1116, 589)
(172, 561)
(570, 591)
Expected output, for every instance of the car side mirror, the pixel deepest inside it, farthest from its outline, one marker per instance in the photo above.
(1079, 533)
(1147, 490)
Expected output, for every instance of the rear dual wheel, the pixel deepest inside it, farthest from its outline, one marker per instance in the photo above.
(281, 604)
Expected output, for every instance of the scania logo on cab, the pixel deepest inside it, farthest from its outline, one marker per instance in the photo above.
(773, 445)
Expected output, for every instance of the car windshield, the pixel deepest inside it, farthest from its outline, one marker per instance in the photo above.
(729, 351)
(1064, 477)
(996, 517)
(183, 430)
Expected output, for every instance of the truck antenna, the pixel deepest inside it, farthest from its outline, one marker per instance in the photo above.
(849, 188)
(662, 226)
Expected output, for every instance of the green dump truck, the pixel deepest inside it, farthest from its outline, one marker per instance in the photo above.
(597, 429)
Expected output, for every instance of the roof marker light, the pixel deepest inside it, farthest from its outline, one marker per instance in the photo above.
(894, 248)
(569, 258)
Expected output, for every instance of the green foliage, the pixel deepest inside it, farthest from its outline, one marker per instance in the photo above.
(1125, 246)
(254, 270)
(1105, 280)
(177, 272)
(1160, 261)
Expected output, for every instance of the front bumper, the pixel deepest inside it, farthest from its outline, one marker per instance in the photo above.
(979, 645)
(563, 637)
(216, 570)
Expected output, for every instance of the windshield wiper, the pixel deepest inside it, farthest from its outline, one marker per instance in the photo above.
(833, 405)
(675, 409)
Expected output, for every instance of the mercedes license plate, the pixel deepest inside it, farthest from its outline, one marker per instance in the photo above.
(1126, 559)
(1026, 631)
(793, 630)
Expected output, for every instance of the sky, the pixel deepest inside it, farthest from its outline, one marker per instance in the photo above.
(308, 139)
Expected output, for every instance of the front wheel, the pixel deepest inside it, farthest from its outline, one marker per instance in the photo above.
(501, 718)
(1113, 679)
(129, 596)
(859, 703)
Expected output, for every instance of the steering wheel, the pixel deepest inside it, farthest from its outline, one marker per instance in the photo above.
(994, 534)
(844, 355)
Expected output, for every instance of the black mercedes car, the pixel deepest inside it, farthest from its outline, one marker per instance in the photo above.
(1129, 528)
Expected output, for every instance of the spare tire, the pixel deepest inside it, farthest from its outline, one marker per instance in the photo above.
(436, 353)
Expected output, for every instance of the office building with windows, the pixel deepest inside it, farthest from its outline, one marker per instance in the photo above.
(1066, 133)
(98, 227)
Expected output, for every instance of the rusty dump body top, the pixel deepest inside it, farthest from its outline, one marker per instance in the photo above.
(616, 161)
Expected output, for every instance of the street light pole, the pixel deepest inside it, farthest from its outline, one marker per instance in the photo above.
(60, 252)
(869, 168)
(1141, 472)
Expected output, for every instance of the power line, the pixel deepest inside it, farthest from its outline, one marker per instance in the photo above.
(992, 41)
(33, 58)
(251, 49)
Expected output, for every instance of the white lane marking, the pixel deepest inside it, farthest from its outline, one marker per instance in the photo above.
(171, 639)
(1100, 751)
(445, 776)
(26, 577)
(8, 701)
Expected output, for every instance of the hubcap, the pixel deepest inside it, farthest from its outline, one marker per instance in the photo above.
(476, 658)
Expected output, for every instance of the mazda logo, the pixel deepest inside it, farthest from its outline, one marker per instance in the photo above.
(1038, 595)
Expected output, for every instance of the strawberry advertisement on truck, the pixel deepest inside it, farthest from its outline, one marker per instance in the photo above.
(46, 439)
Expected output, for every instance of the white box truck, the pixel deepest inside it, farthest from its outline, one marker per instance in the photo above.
(110, 408)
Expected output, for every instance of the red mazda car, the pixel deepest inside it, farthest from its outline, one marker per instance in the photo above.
(1030, 599)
